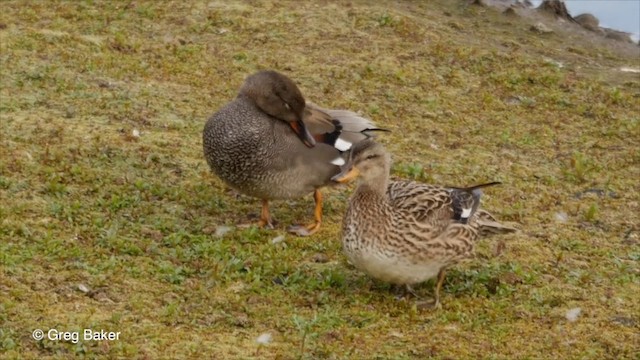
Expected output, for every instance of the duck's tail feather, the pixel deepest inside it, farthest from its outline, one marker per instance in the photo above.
(488, 225)
(348, 128)
(467, 200)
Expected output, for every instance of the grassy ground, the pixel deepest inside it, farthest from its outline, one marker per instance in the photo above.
(104, 229)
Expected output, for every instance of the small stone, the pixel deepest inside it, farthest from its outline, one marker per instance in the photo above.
(624, 321)
(630, 70)
(241, 320)
(320, 258)
(264, 338)
(555, 63)
(277, 239)
(222, 230)
(513, 100)
(511, 12)
(561, 216)
(102, 297)
(572, 314)
(70, 112)
(455, 25)
(135, 133)
(540, 28)
(83, 288)
(105, 84)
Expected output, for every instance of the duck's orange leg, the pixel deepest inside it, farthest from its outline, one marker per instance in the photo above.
(438, 287)
(310, 229)
(265, 216)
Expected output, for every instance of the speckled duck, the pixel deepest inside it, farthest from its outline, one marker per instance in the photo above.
(406, 232)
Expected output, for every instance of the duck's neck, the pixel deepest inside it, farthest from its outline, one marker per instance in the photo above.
(375, 185)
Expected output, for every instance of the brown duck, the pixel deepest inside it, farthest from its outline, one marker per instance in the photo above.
(406, 232)
(271, 144)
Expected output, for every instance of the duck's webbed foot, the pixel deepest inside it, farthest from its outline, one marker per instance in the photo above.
(265, 216)
(307, 230)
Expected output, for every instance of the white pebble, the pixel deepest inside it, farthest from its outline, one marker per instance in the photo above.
(572, 314)
(562, 216)
(221, 230)
(83, 288)
(277, 239)
(264, 338)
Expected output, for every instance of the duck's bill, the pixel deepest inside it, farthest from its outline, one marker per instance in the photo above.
(301, 130)
(346, 176)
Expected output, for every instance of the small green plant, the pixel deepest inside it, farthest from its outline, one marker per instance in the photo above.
(615, 96)
(579, 168)
(413, 171)
(305, 328)
(385, 20)
(5, 183)
(123, 43)
(240, 57)
(591, 214)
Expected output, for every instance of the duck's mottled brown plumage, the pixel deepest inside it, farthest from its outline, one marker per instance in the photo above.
(406, 232)
(270, 144)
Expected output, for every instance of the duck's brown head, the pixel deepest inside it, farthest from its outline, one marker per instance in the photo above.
(278, 96)
(368, 160)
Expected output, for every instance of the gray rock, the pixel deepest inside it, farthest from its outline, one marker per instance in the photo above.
(541, 28)
(617, 35)
(588, 22)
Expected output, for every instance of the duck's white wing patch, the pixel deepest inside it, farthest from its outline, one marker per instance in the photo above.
(466, 213)
(339, 161)
(342, 145)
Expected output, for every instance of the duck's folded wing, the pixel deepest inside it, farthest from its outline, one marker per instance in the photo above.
(424, 204)
(339, 128)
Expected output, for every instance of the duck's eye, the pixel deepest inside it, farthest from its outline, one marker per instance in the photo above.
(372, 156)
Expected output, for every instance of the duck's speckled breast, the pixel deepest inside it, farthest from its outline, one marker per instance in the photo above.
(261, 156)
(375, 243)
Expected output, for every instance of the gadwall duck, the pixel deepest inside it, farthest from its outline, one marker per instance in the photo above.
(406, 232)
(269, 143)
